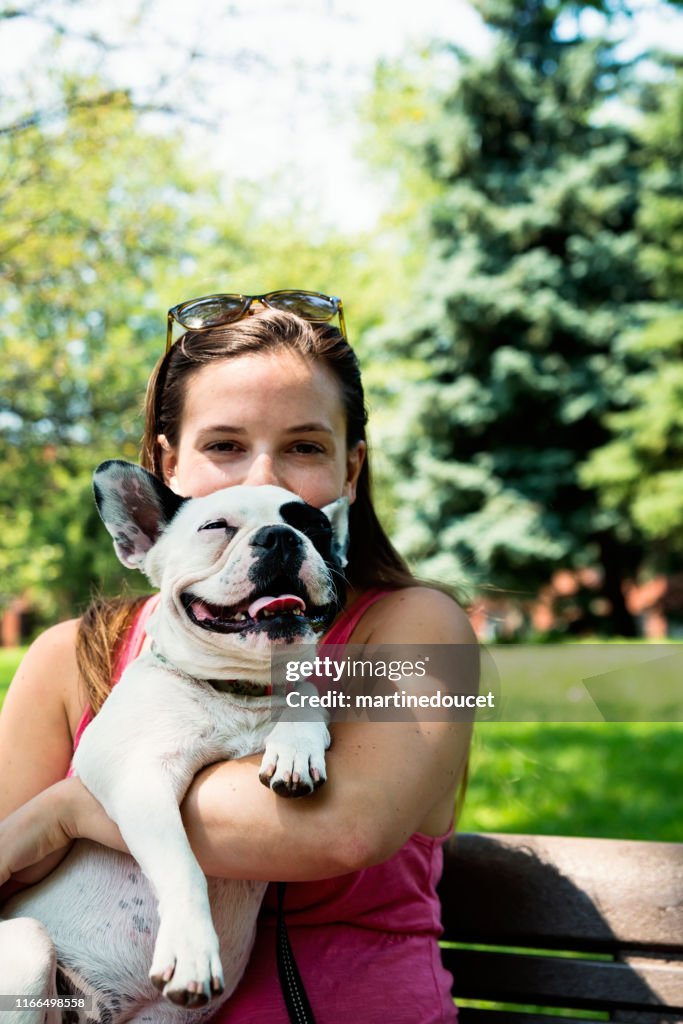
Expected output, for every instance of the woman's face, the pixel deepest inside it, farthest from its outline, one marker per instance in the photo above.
(270, 418)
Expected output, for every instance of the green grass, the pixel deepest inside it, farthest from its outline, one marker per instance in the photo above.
(605, 779)
(610, 780)
(593, 778)
(9, 659)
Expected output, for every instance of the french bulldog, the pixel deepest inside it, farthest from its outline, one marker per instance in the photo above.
(239, 572)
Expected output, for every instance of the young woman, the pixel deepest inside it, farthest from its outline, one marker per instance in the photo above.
(270, 397)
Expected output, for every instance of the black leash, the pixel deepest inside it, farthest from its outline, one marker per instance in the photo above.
(298, 1007)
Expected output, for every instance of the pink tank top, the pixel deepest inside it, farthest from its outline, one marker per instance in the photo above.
(365, 943)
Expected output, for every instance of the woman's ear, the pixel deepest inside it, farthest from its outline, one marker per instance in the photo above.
(169, 462)
(354, 464)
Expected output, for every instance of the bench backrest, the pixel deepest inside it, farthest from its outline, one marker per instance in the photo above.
(619, 903)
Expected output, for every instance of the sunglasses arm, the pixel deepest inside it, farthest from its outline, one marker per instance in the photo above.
(342, 322)
(169, 330)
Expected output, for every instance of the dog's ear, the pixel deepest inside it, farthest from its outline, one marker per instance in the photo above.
(338, 514)
(135, 507)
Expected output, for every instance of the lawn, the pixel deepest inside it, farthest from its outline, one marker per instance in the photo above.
(593, 778)
(9, 659)
(619, 780)
(607, 779)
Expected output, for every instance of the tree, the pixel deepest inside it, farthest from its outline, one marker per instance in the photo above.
(532, 278)
(87, 238)
(104, 225)
(638, 471)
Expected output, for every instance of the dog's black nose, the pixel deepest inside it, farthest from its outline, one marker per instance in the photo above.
(278, 540)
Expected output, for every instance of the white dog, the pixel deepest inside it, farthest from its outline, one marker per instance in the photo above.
(238, 571)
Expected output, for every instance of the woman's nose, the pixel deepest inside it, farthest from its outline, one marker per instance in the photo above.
(261, 471)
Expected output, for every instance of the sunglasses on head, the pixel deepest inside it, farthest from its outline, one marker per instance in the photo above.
(215, 310)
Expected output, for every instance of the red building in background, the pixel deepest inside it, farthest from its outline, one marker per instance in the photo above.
(571, 604)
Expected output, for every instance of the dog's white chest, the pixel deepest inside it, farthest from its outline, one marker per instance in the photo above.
(156, 717)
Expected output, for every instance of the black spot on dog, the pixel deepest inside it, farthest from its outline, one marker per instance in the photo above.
(313, 523)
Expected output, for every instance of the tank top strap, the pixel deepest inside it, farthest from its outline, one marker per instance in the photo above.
(128, 650)
(131, 645)
(342, 629)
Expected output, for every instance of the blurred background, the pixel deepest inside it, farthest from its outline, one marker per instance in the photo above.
(496, 191)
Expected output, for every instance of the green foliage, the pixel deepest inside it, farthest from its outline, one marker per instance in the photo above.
(103, 226)
(638, 472)
(86, 236)
(532, 280)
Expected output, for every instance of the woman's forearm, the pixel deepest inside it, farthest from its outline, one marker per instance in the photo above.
(238, 828)
(372, 803)
(85, 818)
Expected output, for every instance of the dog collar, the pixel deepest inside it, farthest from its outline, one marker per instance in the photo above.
(241, 687)
(238, 687)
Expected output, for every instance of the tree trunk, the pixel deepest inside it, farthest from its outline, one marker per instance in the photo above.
(619, 562)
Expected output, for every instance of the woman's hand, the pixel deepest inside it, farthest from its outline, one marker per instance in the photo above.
(34, 839)
(37, 836)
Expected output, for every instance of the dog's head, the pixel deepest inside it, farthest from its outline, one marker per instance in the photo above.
(245, 566)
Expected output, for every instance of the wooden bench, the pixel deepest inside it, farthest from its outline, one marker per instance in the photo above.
(618, 903)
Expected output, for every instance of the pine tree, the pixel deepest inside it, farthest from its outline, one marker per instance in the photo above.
(532, 278)
(639, 470)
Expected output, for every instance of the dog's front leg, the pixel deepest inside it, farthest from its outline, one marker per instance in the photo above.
(293, 762)
(186, 965)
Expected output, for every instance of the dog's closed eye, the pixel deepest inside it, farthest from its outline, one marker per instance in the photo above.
(219, 524)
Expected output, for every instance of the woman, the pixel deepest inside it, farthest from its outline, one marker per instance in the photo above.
(271, 397)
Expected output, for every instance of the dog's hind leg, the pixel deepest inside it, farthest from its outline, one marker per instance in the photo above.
(28, 966)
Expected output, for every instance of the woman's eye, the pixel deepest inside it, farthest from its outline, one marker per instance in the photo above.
(307, 448)
(218, 524)
(223, 446)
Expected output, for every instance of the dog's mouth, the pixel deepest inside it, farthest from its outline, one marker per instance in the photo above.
(285, 607)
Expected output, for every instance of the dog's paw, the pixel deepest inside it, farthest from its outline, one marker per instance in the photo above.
(294, 759)
(186, 967)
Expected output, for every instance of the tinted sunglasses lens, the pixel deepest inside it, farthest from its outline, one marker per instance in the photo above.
(211, 311)
(308, 305)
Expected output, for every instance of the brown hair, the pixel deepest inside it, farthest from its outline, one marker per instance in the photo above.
(103, 628)
(372, 559)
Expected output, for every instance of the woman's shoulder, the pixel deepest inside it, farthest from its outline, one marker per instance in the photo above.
(48, 674)
(417, 614)
(56, 644)
(54, 649)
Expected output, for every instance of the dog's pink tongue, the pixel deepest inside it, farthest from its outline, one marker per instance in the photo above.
(276, 604)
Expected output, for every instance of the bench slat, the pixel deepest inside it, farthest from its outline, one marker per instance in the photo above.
(469, 1015)
(560, 981)
(559, 892)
